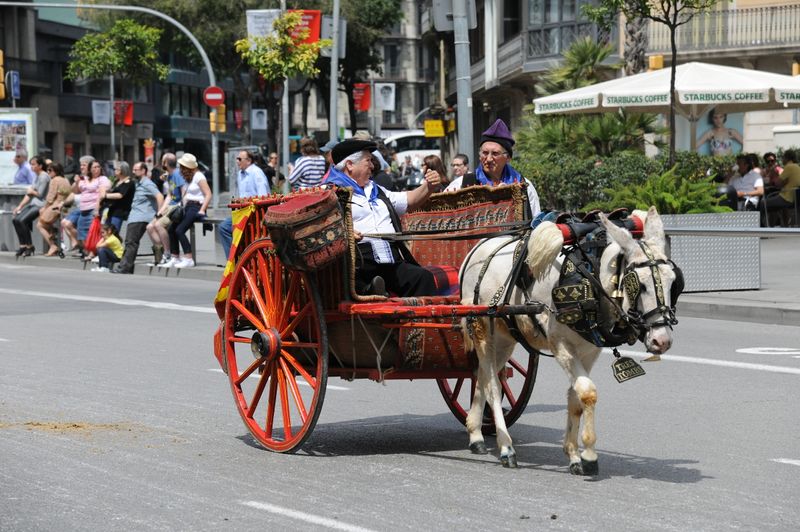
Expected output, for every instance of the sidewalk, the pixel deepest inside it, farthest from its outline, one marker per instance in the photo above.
(778, 301)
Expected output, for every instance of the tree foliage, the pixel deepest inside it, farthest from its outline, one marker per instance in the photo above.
(671, 13)
(128, 51)
(669, 192)
(588, 136)
(282, 54)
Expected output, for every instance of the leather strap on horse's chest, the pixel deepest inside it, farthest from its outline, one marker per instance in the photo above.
(577, 302)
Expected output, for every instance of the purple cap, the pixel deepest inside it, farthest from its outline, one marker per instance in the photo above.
(499, 133)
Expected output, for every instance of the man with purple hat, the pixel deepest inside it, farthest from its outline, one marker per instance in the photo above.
(380, 264)
(494, 169)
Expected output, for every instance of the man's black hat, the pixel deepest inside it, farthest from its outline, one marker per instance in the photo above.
(349, 147)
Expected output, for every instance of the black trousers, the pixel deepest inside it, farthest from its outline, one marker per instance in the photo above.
(772, 203)
(133, 235)
(23, 224)
(402, 278)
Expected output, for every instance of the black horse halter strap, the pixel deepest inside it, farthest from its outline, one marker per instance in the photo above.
(632, 286)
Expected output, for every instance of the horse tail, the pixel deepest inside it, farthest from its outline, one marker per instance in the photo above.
(543, 249)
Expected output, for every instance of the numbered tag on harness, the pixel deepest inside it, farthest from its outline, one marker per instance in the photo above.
(626, 368)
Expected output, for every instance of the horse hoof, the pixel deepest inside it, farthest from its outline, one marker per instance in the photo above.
(575, 468)
(509, 460)
(478, 447)
(590, 468)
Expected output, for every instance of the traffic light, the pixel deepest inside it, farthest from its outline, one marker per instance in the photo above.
(222, 125)
(2, 76)
(212, 121)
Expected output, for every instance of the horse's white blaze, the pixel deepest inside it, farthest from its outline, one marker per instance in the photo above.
(494, 345)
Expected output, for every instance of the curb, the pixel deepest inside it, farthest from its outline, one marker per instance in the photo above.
(203, 272)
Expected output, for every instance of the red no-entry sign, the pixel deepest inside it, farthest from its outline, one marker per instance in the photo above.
(214, 96)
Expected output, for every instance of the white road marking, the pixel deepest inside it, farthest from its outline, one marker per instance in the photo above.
(714, 362)
(163, 305)
(769, 351)
(787, 461)
(328, 387)
(4, 340)
(302, 516)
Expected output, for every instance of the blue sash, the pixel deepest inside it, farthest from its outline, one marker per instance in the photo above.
(337, 177)
(509, 176)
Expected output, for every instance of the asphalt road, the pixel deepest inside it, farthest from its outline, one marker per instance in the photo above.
(115, 416)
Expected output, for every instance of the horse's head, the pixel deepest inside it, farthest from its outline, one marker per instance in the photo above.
(650, 282)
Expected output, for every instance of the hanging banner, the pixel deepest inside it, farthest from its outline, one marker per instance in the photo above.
(123, 112)
(361, 96)
(311, 19)
(101, 112)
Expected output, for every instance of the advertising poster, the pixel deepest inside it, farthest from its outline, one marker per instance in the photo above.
(720, 133)
(17, 131)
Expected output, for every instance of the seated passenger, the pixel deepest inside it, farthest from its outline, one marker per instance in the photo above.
(748, 183)
(380, 265)
(494, 169)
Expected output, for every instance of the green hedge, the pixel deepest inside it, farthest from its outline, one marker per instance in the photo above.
(570, 184)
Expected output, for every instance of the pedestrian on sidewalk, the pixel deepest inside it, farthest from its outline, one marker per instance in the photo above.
(118, 199)
(195, 203)
(147, 201)
(109, 249)
(174, 188)
(58, 196)
(28, 209)
(250, 182)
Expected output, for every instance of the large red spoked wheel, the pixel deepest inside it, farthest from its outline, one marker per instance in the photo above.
(516, 381)
(276, 348)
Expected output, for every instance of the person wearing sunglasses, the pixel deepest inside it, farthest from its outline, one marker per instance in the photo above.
(495, 152)
(250, 181)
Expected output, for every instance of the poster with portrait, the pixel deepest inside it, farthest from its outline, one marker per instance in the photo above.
(258, 119)
(385, 92)
(720, 133)
(17, 132)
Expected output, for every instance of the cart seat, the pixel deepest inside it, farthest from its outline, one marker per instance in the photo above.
(446, 280)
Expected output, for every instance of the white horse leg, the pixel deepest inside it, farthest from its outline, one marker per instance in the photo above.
(574, 413)
(475, 415)
(508, 457)
(587, 394)
(581, 400)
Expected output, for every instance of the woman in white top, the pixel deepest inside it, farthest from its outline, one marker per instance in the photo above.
(195, 202)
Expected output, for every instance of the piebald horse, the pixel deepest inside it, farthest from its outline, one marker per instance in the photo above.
(491, 339)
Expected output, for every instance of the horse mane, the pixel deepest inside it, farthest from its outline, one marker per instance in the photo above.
(543, 249)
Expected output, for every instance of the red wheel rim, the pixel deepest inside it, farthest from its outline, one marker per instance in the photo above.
(279, 383)
(517, 387)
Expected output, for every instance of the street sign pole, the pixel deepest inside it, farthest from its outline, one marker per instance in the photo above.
(463, 78)
(285, 124)
(333, 108)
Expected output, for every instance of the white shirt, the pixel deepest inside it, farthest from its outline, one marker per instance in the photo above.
(747, 183)
(533, 196)
(193, 190)
(374, 218)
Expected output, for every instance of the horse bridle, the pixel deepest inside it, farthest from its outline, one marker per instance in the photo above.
(663, 315)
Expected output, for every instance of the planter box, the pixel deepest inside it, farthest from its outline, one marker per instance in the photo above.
(712, 263)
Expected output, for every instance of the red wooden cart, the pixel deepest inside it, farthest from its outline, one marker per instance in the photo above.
(284, 331)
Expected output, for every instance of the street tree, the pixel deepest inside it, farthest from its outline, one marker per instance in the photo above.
(128, 52)
(671, 13)
(588, 136)
(279, 56)
(367, 24)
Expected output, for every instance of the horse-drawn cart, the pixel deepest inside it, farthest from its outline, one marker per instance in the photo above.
(287, 327)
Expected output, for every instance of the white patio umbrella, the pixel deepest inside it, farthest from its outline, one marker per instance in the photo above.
(699, 87)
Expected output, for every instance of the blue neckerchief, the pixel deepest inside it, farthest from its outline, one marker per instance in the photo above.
(509, 176)
(337, 177)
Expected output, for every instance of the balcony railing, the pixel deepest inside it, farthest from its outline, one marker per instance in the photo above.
(732, 29)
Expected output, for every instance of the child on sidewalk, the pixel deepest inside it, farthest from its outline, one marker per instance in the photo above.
(109, 249)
